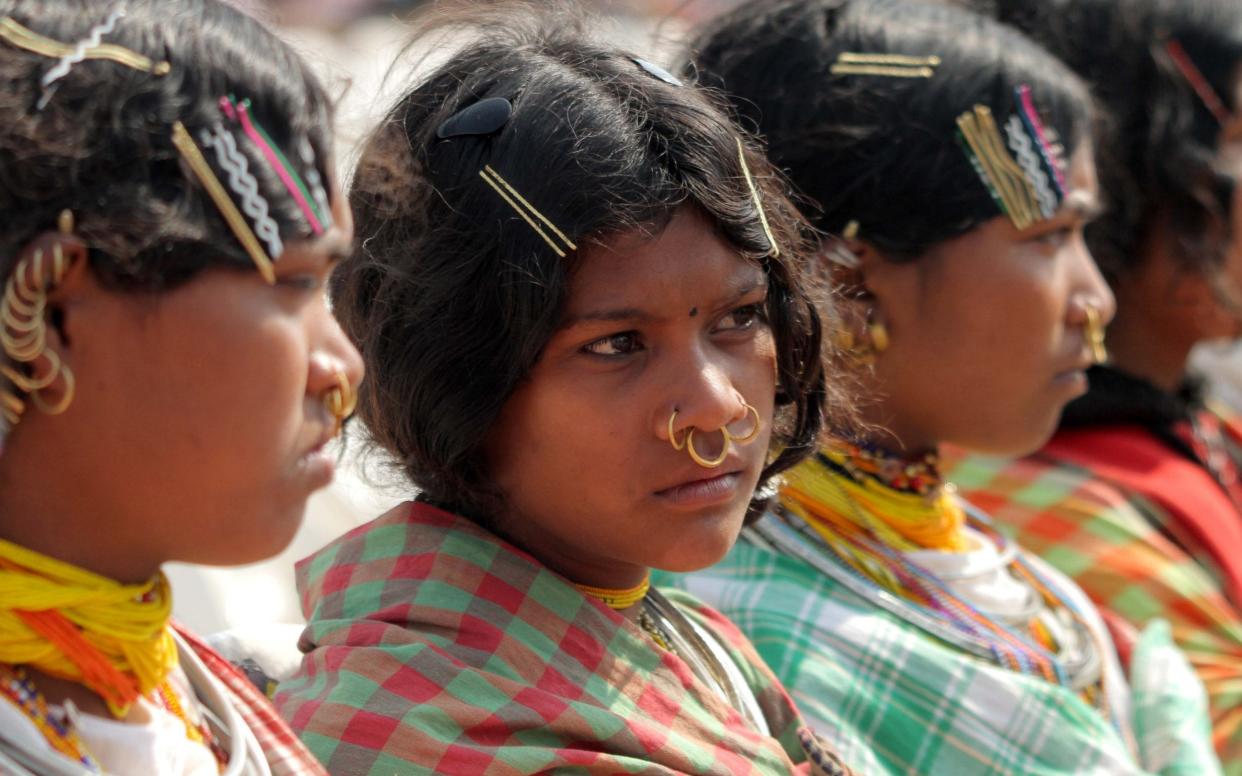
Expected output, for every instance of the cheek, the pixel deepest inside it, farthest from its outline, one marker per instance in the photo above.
(226, 386)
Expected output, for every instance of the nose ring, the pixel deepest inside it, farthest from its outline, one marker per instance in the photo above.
(687, 441)
(1094, 333)
(340, 400)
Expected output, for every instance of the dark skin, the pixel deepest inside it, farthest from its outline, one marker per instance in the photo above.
(986, 330)
(581, 450)
(206, 420)
(1164, 308)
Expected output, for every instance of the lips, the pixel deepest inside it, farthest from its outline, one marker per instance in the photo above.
(703, 491)
(317, 463)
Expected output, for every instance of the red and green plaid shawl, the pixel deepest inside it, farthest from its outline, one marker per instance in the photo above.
(1128, 554)
(433, 645)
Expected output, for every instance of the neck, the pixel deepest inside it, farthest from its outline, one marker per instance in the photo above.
(54, 519)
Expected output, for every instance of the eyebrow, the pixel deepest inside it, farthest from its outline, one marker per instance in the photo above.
(744, 287)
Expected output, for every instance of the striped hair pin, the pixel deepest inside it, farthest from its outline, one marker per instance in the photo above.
(243, 183)
(885, 65)
(70, 55)
(1194, 76)
(1022, 169)
(311, 200)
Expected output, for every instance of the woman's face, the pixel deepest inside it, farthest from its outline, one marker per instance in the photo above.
(987, 329)
(652, 325)
(198, 426)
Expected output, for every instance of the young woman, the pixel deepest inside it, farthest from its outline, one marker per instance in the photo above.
(952, 159)
(587, 346)
(170, 370)
(1138, 495)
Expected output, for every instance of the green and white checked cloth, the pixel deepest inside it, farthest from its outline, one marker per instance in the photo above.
(892, 699)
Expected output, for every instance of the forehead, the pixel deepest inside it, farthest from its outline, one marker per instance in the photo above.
(687, 261)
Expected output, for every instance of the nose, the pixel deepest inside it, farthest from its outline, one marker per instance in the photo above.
(332, 354)
(704, 399)
(1089, 290)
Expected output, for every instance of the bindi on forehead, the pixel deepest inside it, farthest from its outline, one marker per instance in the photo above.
(694, 311)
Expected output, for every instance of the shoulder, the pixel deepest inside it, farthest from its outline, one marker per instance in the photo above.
(1049, 501)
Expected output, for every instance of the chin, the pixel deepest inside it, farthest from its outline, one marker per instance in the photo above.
(252, 540)
(698, 549)
(1017, 442)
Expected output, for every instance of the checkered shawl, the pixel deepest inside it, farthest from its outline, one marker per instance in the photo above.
(894, 700)
(433, 645)
(1115, 544)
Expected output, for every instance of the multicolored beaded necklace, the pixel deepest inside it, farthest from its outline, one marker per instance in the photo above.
(822, 495)
(17, 686)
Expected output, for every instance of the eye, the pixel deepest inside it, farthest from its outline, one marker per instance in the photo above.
(614, 345)
(302, 282)
(1058, 236)
(742, 318)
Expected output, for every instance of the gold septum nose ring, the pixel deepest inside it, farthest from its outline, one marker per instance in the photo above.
(340, 401)
(1093, 331)
(687, 441)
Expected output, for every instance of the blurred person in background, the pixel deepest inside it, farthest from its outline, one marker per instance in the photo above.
(949, 163)
(1138, 495)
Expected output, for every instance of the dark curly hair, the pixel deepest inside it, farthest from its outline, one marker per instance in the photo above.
(452, 299)
(881, 151)
(102, 145)
(1159, 153)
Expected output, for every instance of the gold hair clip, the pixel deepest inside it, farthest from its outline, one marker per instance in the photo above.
(224, 203)
(886, 65)
(524, 209)
(774, 249)
(1005, 179)
(35, 43)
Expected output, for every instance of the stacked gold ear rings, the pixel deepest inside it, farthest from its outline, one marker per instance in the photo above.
(1094, 334)
(341, 400)
(865, 352)
(23, 331)
(687, 441)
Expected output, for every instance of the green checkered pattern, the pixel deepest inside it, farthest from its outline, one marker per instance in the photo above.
(1110, 542)
(894, 700)
(434, 646)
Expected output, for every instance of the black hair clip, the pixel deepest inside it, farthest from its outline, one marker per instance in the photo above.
(657, 72)
(482, 118)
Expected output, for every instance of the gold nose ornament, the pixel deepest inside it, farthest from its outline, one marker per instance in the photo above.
(1094, 333)
(340, 401)
(687, 440)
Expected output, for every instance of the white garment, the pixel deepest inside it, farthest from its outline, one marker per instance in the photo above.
(150, 742)
(981, 577)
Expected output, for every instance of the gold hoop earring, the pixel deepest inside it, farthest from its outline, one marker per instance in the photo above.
(709, 463)
(27, 384)
(66, 397)
(672, 436)
(750, 435)
(1093, 331)
(879, 336)
(11, 407)
(341, 400)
